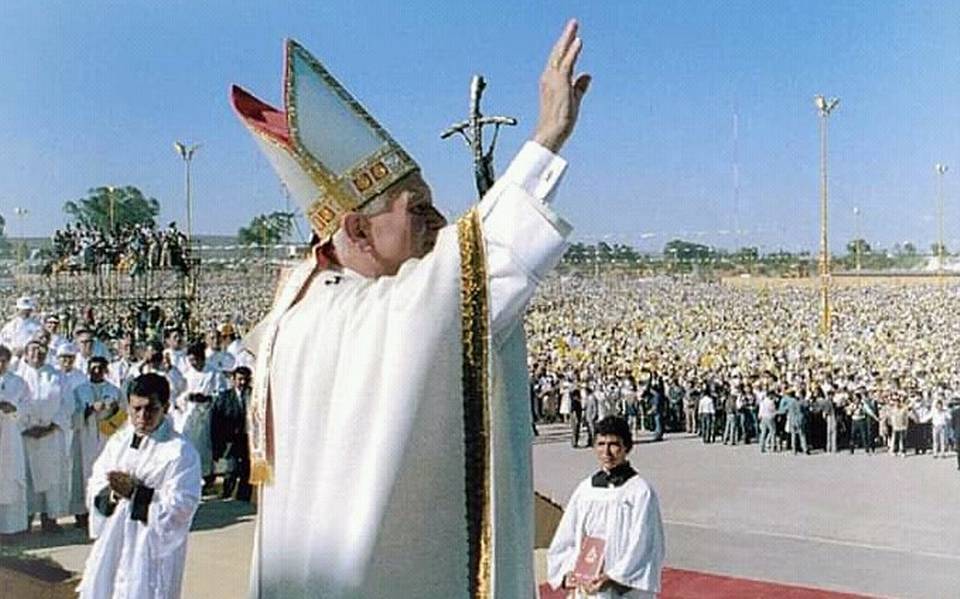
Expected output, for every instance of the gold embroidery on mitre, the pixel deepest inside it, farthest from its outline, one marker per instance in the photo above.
(475, 331)
(358, 185)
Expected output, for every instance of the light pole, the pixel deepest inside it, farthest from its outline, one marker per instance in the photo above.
(857, 239)
(941, 170)
(21, 216)
(824, 108)
(186, 152)
(112, 199)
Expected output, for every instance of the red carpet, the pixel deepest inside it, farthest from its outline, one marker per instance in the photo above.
(688, 584)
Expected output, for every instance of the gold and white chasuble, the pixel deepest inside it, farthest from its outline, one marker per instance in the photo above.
(396, 434)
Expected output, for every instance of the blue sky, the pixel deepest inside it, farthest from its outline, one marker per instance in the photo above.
(95, 93)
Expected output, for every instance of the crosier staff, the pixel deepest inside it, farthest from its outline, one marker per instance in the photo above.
(482, 161)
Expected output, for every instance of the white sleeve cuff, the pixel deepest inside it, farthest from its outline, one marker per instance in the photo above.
(536, 170)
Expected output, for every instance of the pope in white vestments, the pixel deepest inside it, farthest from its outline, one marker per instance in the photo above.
(390, 418)
(13, 471)
(142, 496)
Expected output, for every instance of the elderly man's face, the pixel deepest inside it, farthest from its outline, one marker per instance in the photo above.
(408, 229)
(85, 341)
(36, 354)
(66, 362)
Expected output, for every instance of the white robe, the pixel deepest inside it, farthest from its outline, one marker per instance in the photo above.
(131, 559)
(13, 468)
(628, 519)
(368, 412)
(18, 331)
(48, 458)
(192, 419)
(88, 441)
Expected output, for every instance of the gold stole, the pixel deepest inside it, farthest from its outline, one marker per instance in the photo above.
(475, 322)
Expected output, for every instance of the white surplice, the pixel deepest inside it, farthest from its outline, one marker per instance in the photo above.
(628, 519)
(13, 468)
(192, 419)
(368, 498)
(48, 458)
(88, 441)
(131, 559)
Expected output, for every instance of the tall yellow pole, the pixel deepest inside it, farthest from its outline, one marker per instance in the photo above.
(824, 108)
(941, 169)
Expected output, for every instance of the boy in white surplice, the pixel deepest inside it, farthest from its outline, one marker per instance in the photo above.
(618, 508)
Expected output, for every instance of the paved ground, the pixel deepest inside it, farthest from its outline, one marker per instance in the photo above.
(872, 524)
(876, 525)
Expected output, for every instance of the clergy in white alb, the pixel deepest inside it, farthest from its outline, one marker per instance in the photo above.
(155, 360)
(45, 420)
(391, 418)
(20, 329)
(142, 496)
(13, 468)
(193, 408)
(123, 367)
(70, 380)
(98, 404)
(619, 508)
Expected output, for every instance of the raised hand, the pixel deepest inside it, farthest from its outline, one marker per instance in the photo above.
(561, 92)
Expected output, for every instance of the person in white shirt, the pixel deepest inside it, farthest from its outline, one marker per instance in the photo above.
(193, 409)
(621, 510)
(156, 360)
(46, 420)
(706, 410)
(220, 359)
(767, 413)
(122, 369)
(51, 324)
(81, 429)
(13, 471)
(20, 329)
(142, 496)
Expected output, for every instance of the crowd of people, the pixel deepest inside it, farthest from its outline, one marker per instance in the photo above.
(133, 249)
(730, 364)
(749, 364)
(63, 395)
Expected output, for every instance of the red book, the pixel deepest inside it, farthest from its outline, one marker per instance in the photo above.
(590, 561)
(547, 592)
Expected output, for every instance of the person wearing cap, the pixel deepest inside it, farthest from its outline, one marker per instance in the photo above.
(20, 329)
(621, 510)
(97, 401)
(412, 328)
(13, 471)
(46, 420)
